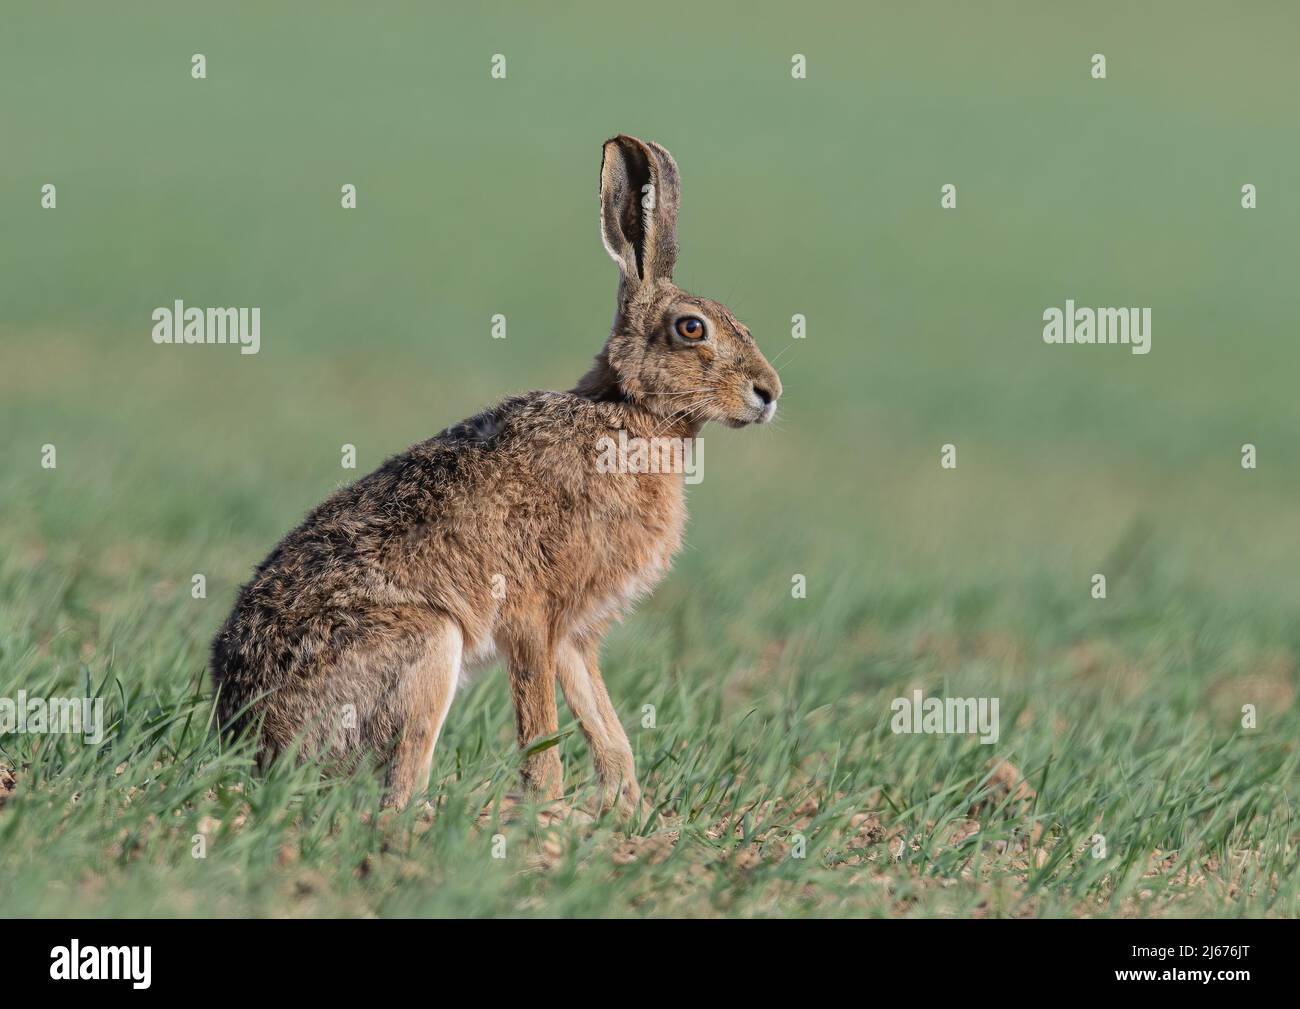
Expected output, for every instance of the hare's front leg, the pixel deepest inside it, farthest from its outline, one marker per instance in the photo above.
(531, 668)
(584, 690)
(420, 705)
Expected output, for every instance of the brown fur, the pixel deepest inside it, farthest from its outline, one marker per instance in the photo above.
(375, 603)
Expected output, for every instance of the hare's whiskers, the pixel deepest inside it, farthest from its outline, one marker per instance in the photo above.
(784, 350)
(773, 361)
(683, 415)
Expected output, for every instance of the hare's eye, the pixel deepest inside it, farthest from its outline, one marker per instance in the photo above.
(691, 328)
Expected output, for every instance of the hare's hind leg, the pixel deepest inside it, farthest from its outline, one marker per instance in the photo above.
(420, 704)
(584, 690)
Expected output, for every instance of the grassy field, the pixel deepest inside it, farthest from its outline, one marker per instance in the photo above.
(1120, 717)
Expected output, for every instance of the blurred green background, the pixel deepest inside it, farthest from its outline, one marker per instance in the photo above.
(819, 196)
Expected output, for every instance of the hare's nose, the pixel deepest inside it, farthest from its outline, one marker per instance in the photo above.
(764, 394)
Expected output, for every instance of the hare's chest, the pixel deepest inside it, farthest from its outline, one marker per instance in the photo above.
(638, 559)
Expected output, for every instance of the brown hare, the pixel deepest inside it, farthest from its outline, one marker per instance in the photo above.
(500, 536)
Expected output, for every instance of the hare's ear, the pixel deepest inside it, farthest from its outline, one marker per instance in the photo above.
(639, 192)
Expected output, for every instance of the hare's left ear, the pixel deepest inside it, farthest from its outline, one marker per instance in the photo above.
(639, 191)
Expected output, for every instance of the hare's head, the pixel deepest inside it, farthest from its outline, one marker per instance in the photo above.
(675, 354)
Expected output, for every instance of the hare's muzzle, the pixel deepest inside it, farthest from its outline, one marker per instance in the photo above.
(762, 397)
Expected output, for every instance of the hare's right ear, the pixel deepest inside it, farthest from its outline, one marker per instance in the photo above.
(639, 192)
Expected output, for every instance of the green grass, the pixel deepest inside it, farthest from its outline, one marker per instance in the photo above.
(771, 736)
